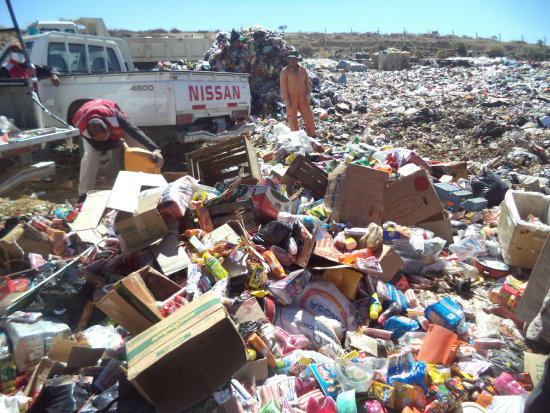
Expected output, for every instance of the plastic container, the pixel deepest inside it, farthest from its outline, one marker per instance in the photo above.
(521, 240)
(284, 257)
(274, 264)
(140, 160)
(304, 219)
(204, 218)
(351, 257)
(214, 266)
(351, 376)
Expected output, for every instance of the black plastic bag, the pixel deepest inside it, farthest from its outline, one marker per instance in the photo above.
(274, 233)
(489, 186)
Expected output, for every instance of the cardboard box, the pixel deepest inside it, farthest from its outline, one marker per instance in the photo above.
(268, 202)
(356, 194)
(389, 260)
(411, 200)
(143, 228)
(65, 357)
(440, 225)
(257, 369)
(287, 289)
(187, 356)
(131, 302)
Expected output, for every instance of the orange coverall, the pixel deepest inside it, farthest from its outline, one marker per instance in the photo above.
(295, 86)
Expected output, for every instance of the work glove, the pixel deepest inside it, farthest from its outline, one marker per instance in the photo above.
(287, 102)
(308, 98)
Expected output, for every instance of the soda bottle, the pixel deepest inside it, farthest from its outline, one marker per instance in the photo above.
(375, 307)
(255, 341)
(204, 218)
(305, 219)
(58, 242)
(393, 309)
(351, 257)
(274, 264)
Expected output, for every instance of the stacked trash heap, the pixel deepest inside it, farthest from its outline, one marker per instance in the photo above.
(256, 51)
(309, 277)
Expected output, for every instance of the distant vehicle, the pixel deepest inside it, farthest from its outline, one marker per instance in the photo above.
(146, 51)
(171, 107)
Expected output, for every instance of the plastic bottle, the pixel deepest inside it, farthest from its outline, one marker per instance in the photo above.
(351, 257)
(194, 232)
(392, 310)
(8, 371)
(274, 264)
(284, 257)
(255, 341)
(350, 244)
(204, 217)
(214, 266)
(375, 307)
(58, 242)
(304, 219)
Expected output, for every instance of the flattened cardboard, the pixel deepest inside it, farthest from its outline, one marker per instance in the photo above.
(192, 353)
(92, 211)
(170, 255)
(355, 194)
(388, 259)
(411, 200)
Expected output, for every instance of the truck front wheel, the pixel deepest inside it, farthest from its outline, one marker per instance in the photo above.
(111, 162)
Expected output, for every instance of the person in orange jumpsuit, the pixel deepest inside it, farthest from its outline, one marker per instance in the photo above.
(296, 93)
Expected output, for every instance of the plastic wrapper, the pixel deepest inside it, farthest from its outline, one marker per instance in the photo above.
(446, 313)
(508, 404)
(416, 376)
(399, 325)
(175, 197)
(384, 394)
(505, 384)
(468, 247)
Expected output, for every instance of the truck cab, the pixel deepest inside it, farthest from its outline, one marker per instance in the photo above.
(70, 53)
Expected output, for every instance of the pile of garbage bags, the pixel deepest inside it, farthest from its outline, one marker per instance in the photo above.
(256, 51)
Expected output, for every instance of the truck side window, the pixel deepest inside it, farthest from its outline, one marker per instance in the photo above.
(114, 66)
(97, 58)
(57, 57)
(77, 55)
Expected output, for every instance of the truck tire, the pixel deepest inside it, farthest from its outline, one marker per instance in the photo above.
(111, 162)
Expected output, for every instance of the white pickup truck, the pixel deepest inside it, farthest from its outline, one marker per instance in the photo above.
(170, 107)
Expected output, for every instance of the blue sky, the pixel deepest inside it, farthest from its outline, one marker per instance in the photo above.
(509, 18)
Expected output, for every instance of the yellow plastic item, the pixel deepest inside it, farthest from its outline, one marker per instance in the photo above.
(140, 160)
(345, 279)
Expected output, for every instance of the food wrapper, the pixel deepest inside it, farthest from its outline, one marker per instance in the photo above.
(384, 394)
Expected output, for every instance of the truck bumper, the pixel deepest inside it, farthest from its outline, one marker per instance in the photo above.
(203, 136)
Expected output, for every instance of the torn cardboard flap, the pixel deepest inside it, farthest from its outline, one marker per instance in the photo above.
(128, 185)
(411, 200)
(170, 256)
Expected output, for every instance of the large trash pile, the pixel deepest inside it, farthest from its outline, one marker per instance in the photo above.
(256, 51)
(352, 273)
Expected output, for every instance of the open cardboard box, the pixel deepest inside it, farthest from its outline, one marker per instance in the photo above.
(138, 222)
(65, 357)
(131, 302)
(389, 260)
(187, 356)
